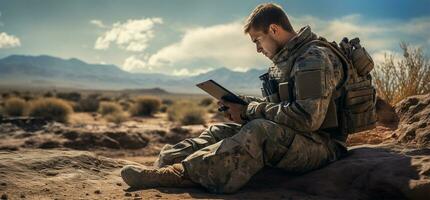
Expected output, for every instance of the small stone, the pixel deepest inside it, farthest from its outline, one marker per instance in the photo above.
(136, 195)
(51, 173)
(3, 197)
(118, 184)
(127, 194)
(97, 192)
(95, 169)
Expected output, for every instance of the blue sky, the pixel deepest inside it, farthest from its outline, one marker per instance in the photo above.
(190, 37)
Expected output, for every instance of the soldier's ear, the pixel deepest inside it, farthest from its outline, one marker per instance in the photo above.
(273, 29)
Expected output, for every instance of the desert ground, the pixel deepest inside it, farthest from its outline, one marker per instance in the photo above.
(82, 158)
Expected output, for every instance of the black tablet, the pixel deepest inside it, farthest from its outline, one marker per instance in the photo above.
(219, 92)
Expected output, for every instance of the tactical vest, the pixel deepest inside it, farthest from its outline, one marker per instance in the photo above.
(352, 107)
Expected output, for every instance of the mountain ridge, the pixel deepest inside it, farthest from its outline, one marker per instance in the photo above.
(45, 70)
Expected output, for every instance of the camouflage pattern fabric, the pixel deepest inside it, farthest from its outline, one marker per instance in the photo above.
(171, 154)
(279, 134)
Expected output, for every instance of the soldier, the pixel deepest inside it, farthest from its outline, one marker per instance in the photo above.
(287, 129)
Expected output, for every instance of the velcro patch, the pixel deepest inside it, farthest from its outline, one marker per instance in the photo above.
(309, 84)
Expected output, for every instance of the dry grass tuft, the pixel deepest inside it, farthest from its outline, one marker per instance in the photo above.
(50, 109)
(15, 106)
(107, 108)
(116, 117)
(90, 103)
(145, 106)
(396, 80)
(187, 113)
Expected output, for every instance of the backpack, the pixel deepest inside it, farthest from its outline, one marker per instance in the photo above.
(353, 105)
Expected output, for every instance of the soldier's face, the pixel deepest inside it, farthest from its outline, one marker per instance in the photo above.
(264, 42)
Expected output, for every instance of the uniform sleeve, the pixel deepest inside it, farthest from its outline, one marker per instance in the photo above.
(313, 86)
(249, 99)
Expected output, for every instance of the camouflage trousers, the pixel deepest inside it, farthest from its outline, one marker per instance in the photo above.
(224, 157)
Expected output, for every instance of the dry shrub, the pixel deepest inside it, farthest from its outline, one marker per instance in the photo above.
(90, 103)
(105, 98)
(71, 96)
(27, 96)
(206, 101)
(50, 109)
(5, 95)
(1, 111)
(163, 108)
(48, 94)
(107, 108)
(145, 106)
(15, 106)
(167, 102)
(410, 75)
(186, 113)
(116, 117)
(125, 103)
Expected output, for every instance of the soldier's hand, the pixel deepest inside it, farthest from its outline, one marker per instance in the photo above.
(233, 111)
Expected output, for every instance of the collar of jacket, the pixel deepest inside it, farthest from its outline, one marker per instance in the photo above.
(304, 36)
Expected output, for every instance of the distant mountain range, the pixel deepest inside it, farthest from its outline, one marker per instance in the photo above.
(48, 71)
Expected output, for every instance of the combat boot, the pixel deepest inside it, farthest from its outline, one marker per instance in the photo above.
(145, 177)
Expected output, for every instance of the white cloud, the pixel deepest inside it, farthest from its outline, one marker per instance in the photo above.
(379, 56)
(8, 41)
(133, 63)
(132, 35)
(225, 45)
(372, 35)
(213, 46)
(378, 37)
(98, 23)
(187, 72)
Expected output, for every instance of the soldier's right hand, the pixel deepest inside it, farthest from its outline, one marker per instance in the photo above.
(224, 110)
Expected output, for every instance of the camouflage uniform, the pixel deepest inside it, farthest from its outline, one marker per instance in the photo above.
(283, 134)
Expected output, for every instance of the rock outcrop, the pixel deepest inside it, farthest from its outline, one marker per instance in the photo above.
(414, 126)
(371, 172)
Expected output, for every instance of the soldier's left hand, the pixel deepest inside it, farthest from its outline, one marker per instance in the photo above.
(234, 111)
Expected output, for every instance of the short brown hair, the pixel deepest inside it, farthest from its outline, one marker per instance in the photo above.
(264, 15)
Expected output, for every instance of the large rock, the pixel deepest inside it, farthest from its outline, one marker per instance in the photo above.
(370, 172)
(386, 114)
(414, 126)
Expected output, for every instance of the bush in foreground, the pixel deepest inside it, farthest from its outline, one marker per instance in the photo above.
(1, 111)
(400, 77)
(50, 109)
(90, 103)
(107, 108)
(71, 96)
(206, 102)
(15, 106)
(116, 117)
(186, 113)
(145, 106)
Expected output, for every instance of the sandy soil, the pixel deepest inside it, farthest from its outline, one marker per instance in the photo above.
(45, 170)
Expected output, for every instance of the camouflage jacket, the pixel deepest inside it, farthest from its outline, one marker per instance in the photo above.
(314, 70)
